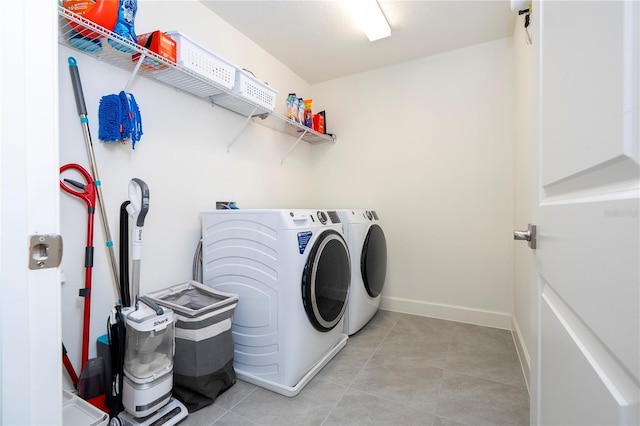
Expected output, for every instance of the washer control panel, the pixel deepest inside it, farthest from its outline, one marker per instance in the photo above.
(304, 217)
(322, 217)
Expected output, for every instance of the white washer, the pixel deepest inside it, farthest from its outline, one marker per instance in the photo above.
(368, 249)
(291, 270)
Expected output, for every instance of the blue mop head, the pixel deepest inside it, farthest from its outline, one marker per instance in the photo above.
(110, 119)
(119, 119)
(131, 119)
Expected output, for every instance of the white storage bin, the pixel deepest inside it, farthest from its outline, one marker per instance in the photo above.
(78, 412)
(251, 89)
(198, 59)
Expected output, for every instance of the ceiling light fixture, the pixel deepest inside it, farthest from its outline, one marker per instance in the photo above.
(370, 19)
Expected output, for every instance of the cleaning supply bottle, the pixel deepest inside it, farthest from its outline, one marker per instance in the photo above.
(300, 111)
(102, 12)
(308, 114)
(125, 25)
(290, 102)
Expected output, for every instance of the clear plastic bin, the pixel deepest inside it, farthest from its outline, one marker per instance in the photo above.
(78, 412)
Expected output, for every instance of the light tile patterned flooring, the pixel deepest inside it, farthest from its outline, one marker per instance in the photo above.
(398, 370)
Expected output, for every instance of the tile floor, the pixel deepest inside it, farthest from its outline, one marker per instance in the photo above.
(398, 370)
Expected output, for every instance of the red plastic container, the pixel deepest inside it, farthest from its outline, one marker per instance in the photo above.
(101, 12)
(160, 43)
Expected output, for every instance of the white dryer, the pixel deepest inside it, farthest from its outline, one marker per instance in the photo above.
(368, 249)
(291, 270)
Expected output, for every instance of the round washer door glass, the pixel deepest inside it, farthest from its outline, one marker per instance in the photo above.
(325, 281)
(373, 263)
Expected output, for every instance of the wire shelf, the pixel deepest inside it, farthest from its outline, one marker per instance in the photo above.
(93, 40)
(286, 125)
(114, 49)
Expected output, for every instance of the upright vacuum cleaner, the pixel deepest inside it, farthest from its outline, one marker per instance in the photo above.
(143, 368)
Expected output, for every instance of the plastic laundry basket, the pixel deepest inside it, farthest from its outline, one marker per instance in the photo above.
(77, 411)
(203, 362)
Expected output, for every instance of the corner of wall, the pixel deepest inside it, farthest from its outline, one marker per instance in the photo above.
(523, 353)
(447, 312)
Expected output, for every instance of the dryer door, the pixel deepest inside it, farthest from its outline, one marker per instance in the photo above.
(373, 261)
(325, 281)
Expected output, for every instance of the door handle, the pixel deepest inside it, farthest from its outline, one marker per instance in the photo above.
(529, 235)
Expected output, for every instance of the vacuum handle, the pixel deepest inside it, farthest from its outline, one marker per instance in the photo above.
(151, 304)
(139, 206)
(136, 243)
(77, 86)
(137, 209)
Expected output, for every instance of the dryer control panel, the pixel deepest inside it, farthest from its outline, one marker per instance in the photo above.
(369, 215)
(314, 217)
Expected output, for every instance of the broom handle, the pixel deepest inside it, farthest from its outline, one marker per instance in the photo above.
(84, 121)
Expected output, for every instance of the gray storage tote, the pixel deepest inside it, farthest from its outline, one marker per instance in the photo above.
(203, 362)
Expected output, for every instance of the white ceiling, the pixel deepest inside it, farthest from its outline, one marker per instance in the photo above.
(317, 40)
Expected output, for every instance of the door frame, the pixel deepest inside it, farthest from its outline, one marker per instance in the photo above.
(30, 332)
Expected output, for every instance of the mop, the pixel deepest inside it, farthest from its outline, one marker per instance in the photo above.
(84, 122)
(119, 115)
(119, 119)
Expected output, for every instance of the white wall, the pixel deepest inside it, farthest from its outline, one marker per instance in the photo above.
(525, 194)
(428, 144)
(182, 157)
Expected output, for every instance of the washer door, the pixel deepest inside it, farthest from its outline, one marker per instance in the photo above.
(325, 281)
(373, 261)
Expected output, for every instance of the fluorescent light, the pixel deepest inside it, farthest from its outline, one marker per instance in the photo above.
(369, 18)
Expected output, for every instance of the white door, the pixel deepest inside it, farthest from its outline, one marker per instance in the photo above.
(30, 337)
(586, 368)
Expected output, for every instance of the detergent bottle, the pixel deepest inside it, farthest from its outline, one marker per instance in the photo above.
(124, 26)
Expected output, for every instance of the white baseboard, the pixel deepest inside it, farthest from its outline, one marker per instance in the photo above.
(447, 312)
(523, 353)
